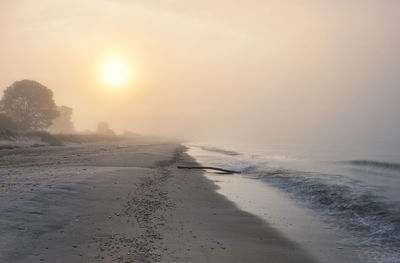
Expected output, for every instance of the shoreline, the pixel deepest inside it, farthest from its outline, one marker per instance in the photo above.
(125, 202)
(214, 229)
(292, 219)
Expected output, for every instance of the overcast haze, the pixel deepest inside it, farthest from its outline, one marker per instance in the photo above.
(308, 71)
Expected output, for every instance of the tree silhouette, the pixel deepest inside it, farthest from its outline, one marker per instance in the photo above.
(6, 122)
(63, 123)
(29, 104)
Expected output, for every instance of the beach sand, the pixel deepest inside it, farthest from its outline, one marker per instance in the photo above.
(124, 202)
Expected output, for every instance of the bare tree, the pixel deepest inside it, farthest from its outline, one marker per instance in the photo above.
(63, 123)
(29, 104)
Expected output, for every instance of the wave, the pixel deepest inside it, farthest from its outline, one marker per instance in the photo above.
(355, 208)
(218, 150)
(376, 164)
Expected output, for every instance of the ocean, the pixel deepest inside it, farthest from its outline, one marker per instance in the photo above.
(348, 201)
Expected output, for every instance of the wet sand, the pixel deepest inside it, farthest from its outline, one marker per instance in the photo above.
(124, 202)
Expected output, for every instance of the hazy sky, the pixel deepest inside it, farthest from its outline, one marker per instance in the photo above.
(283, 70)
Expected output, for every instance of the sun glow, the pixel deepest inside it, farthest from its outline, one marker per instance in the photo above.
(114, 73)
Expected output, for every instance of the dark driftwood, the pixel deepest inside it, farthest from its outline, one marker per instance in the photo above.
(209, 168)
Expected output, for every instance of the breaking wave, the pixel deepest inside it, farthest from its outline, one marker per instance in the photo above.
(218, 150)
(376, 164)
(357, 209)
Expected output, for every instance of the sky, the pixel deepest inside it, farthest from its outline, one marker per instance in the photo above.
(309, 71)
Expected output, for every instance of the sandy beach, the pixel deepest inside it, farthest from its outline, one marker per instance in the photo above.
(124, 201)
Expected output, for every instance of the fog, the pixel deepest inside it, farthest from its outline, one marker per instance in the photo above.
(251, 71)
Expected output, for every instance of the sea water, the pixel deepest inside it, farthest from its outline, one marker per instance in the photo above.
(349, 198)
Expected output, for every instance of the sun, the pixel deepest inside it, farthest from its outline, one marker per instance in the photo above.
(114, 73)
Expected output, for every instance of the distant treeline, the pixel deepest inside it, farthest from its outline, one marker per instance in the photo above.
(28, 106)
